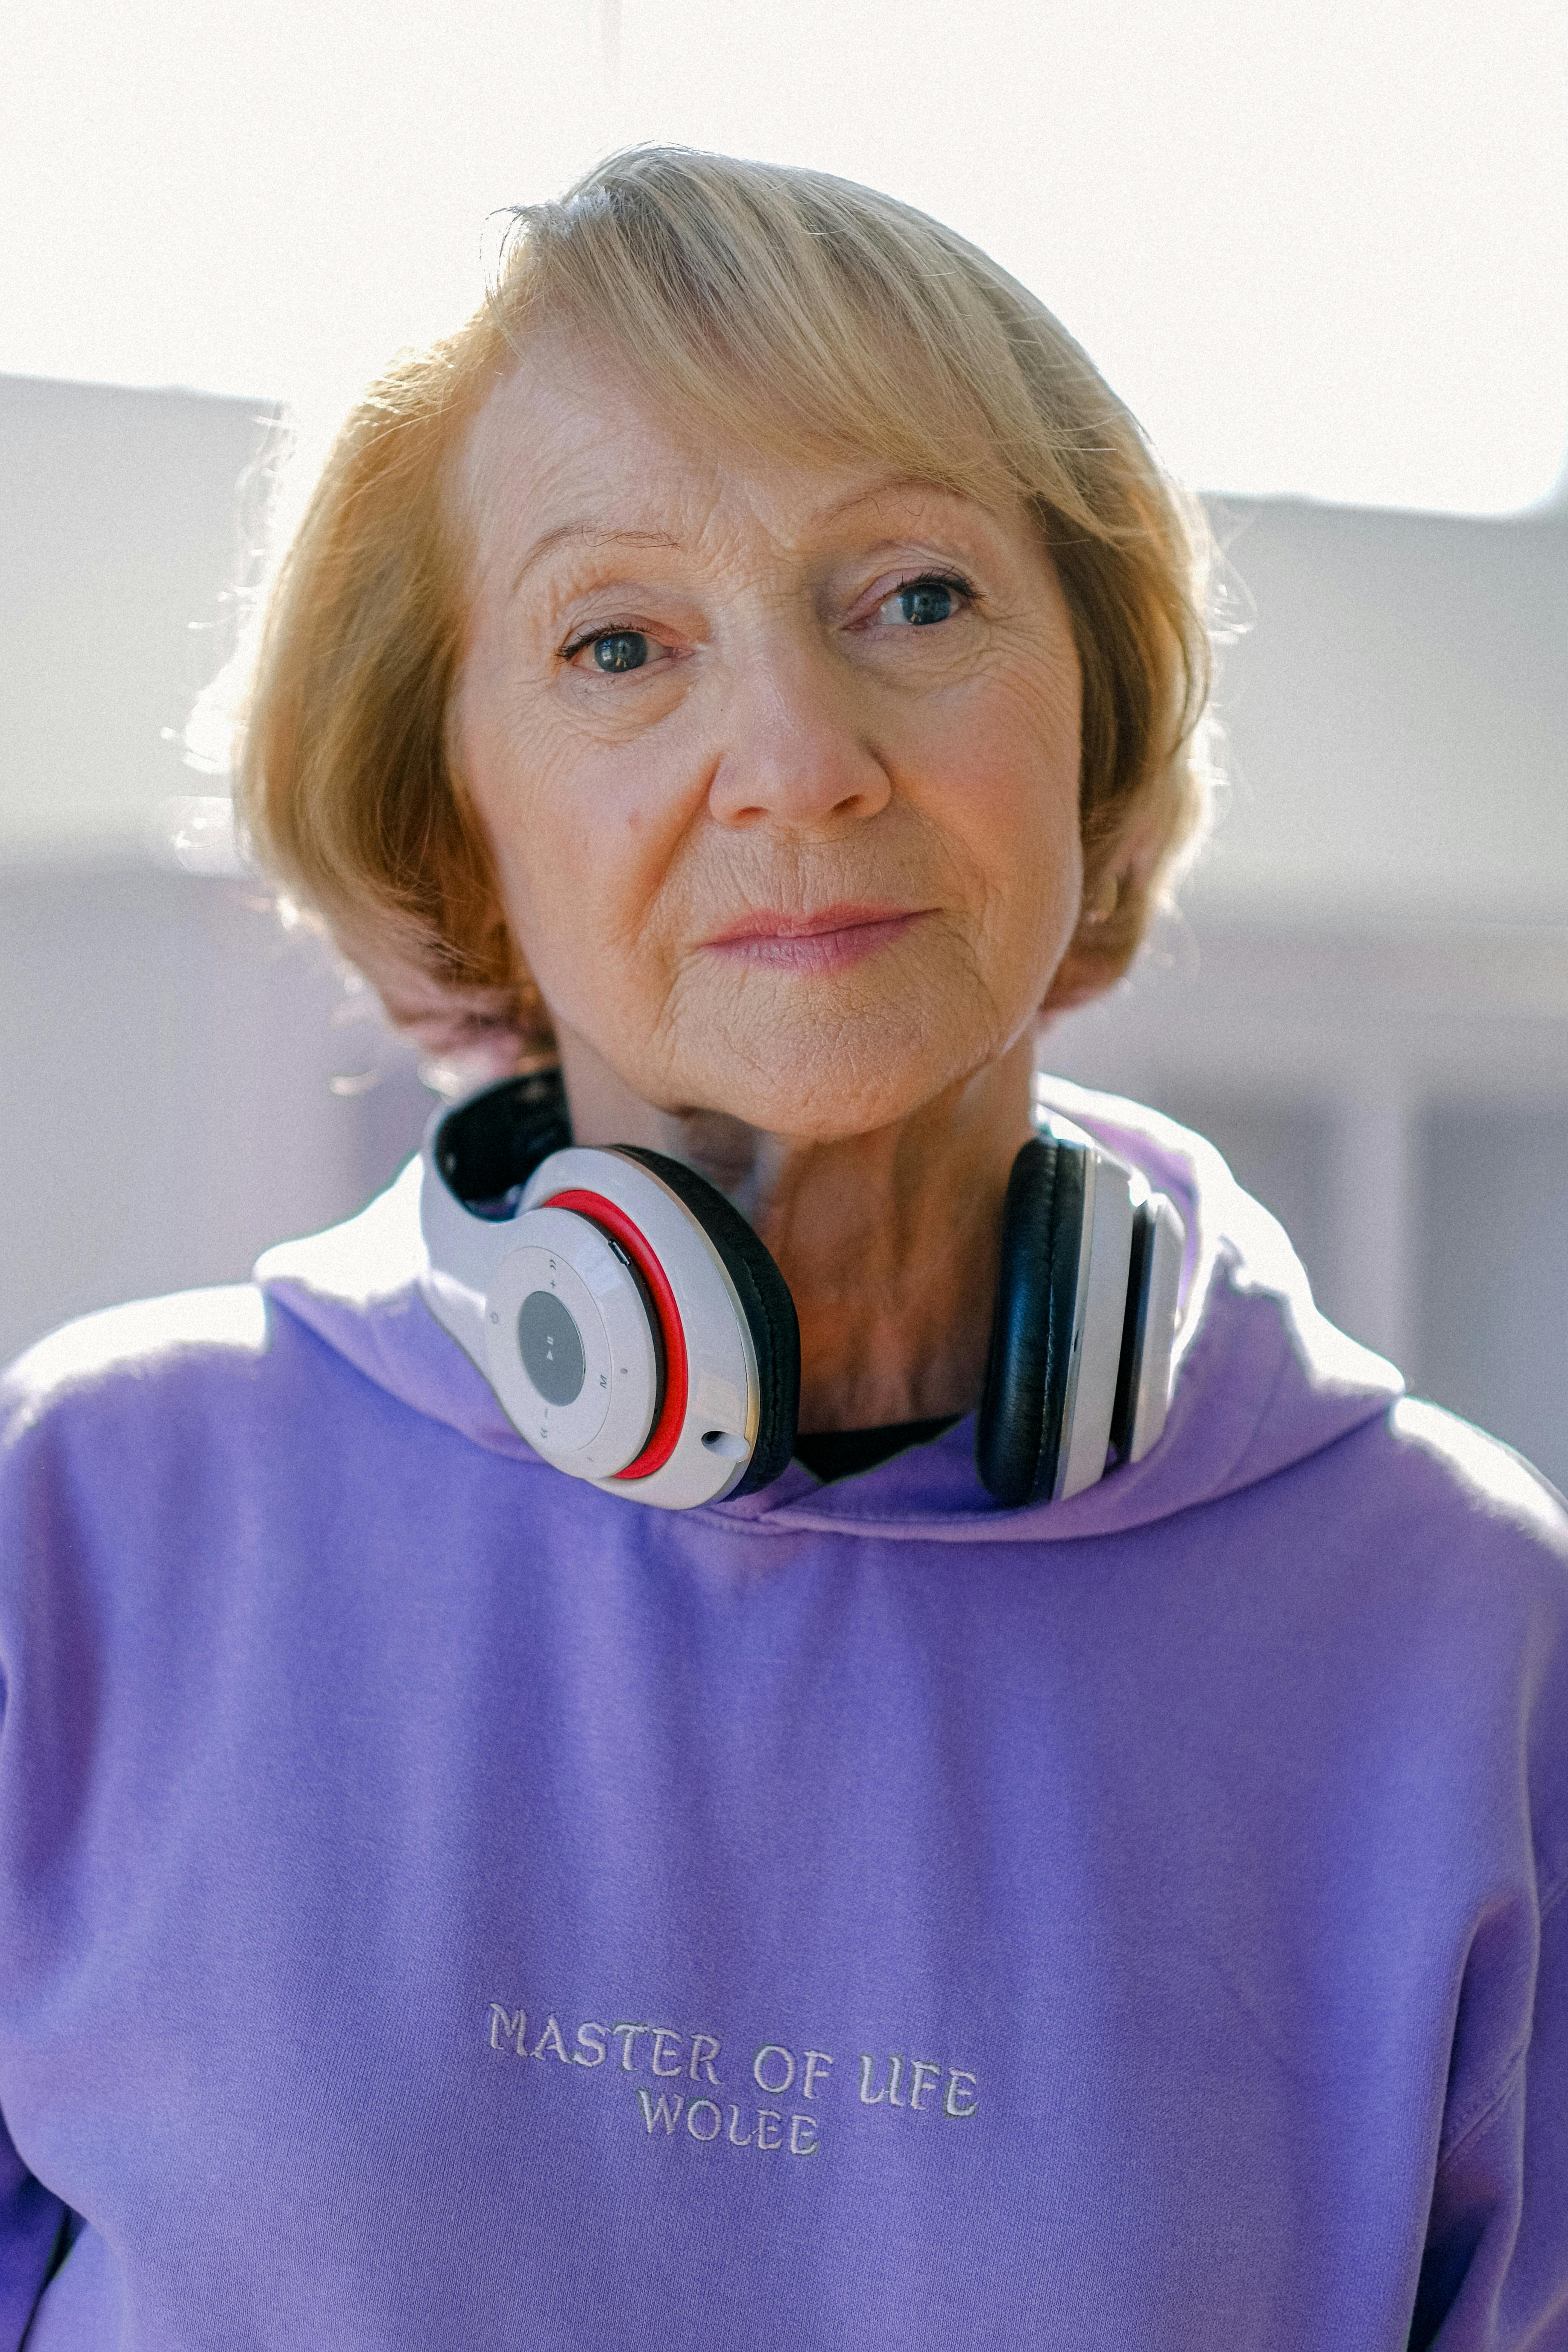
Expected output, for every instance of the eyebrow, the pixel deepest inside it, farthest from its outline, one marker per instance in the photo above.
(580, 531)
(893, 486)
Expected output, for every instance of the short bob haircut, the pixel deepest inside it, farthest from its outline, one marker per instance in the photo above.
(774, 307)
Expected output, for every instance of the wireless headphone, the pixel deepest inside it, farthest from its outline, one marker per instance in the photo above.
(639, 1335)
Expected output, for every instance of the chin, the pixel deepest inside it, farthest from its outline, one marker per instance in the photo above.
(817, 1089)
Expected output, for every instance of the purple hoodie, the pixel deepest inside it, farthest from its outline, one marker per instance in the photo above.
(444, 1906)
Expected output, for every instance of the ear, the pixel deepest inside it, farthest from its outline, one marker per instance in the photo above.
(1107, 939)
(1118, 876)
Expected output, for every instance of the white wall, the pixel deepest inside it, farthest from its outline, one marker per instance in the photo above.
(167, 1103)
(1398, 718)
(1367, 1005)
(119, 540)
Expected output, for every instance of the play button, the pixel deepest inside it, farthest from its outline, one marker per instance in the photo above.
(552, 1348)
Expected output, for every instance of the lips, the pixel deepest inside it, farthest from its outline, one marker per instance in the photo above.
(822, 941)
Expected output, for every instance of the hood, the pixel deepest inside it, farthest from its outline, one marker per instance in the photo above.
(1260, 1381)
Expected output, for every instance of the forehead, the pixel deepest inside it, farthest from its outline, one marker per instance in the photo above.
(570, 443)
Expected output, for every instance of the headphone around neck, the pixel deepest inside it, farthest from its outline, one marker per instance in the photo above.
(637, 1334)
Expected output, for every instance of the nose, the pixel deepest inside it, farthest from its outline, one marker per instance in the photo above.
(796, 748)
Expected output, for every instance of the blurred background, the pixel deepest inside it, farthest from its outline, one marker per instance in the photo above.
(1322, 248)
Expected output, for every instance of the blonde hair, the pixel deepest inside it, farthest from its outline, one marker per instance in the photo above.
(798, 313)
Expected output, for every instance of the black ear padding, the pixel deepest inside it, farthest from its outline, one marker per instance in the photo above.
(769, 1312)
(488, 1150)
(1018, 1436)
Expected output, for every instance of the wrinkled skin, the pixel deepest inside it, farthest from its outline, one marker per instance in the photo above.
(706, 692)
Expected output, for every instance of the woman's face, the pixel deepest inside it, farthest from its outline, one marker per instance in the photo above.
(779, 761)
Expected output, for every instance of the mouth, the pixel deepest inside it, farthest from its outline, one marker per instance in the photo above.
(823, 941)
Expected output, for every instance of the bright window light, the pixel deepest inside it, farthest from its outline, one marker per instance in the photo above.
(1320, 245)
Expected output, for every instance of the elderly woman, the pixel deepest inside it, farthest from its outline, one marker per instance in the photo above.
(541, 1808)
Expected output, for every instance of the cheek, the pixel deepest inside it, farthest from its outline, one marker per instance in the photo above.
(581, 845)
(1011, 791)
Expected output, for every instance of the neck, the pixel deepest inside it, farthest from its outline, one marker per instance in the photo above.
(888, 1241)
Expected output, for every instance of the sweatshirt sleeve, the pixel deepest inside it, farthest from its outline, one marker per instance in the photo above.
(33, 2221)
(1494, 2274)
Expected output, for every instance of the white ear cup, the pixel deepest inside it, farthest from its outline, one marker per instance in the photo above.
(711, 1404)
(1152, 1315)
(569, 1346)
(606, 1321)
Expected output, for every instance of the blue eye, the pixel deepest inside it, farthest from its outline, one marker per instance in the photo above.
(925, 601)
(621, 649)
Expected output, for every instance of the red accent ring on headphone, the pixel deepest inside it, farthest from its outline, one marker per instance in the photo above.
(667, 1429)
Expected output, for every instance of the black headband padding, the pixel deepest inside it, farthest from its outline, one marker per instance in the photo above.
(1018, 1436)
(769, 1308)
(488, 1150)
